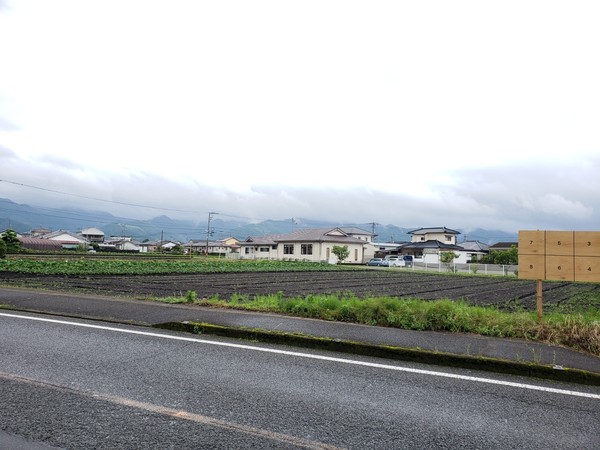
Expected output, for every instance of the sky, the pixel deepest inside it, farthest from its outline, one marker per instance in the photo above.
(463, 114)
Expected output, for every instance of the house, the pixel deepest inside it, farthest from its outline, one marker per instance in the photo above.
(157, 246)
(93, 235)
(125, 244)
(37, 232)
(220, 247)
(310, 244)
(475, 250)
(429, 251)
(503, 246)
(442, 234)
(67, 239)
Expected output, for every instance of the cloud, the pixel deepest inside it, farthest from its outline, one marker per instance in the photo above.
(508, 197)
(6, 125)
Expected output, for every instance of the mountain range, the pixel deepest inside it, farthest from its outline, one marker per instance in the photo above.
(23, 218)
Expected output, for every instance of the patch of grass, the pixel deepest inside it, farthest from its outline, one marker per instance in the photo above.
(580, 330)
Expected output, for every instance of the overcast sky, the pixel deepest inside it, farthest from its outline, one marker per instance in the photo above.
(461, 114)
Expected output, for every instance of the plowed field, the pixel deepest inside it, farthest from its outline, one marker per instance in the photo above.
(506, 293)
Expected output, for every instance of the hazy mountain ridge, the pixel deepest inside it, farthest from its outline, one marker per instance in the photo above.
(24, 218)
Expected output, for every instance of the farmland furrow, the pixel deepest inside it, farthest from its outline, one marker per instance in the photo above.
(503, 292)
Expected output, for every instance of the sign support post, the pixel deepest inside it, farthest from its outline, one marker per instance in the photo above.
(539, 299)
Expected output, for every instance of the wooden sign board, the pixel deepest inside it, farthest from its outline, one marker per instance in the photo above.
(560, 268)
(559, 255)
(587, 243)
(532, 242)
(559, 243)
(532, 267)
(587, 268)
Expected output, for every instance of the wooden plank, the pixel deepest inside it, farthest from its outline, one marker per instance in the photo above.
(560, 268)
(532, 267)
(587, 268)
(559, 243)
(587, 243)
(532, 242)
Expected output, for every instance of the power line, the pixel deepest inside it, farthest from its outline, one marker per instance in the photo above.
(123, 203)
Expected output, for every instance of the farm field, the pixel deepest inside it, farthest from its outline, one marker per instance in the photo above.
(505, 293)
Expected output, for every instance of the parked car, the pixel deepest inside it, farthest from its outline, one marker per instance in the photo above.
(374, 262)
(408, 260)
(390, 261)
(398, 261)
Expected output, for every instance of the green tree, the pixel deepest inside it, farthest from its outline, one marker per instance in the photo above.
(447, 258)
(503, 257)
(2, 249)
(341, 252)
(13, 244)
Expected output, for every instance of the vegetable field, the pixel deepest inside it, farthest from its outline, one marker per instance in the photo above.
(505, 293)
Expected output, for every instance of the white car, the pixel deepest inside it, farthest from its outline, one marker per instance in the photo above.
(398, 261)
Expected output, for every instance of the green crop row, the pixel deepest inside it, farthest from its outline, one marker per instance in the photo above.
(88, 266)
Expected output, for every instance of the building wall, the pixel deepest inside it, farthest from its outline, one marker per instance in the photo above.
(442, 237)
(320, 252)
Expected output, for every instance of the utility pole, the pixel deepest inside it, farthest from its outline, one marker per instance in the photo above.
(373, 225)
(208, 232)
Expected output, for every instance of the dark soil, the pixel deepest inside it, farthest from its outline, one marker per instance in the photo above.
(506, 293)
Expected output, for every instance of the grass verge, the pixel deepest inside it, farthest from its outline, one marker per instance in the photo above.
(580, 331)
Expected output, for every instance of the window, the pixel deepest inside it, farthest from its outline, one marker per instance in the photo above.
(355, 254)
(448, 238)
(264, 249)
(306, 249)
(247, 250)
(288, 249)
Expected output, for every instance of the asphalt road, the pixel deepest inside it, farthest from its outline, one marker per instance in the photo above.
(76, 384)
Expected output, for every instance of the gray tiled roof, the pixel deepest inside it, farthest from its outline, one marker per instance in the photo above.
(432, 244)
(434, 230)
(304, 235)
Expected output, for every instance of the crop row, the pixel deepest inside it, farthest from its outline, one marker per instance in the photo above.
(86, 266)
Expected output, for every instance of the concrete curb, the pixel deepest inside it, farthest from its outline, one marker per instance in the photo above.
(417, 355)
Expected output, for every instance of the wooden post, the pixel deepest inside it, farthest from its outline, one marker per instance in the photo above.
(539, 299)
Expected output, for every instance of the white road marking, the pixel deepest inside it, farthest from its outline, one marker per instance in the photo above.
(309, 356)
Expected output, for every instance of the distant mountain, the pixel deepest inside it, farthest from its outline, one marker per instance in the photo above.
(24, 218)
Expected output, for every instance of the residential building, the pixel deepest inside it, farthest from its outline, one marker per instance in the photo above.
(442, 234)
(503, 246)
(67, 239)
(310, 244)
(93, 235)
(475, 250)
(220, 247)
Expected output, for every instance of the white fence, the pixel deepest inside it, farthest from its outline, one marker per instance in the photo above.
(486, 269)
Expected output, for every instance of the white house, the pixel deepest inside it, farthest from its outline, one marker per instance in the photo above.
(310, 244)
(220, 247)
(442, 234)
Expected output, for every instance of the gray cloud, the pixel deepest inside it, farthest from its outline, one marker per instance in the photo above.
(505, 198)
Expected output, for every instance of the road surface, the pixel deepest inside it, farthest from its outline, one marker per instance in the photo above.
(74, 384)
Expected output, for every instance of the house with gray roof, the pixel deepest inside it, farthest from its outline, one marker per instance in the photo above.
(67, 239)
(442, 234)
(310, 244)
